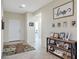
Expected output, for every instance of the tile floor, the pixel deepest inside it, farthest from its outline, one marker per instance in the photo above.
(35, 54)
(38, 53)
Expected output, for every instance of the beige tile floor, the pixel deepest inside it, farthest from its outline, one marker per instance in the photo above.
(39, 53)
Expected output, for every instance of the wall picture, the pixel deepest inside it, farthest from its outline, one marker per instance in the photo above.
(64, 10)
(53, 25)
(73, 23)
(31, 24)
(2, 24)
(65, 24)
(59, 24)
(62, 35)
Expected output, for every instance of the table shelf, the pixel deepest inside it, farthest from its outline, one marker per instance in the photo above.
(60, 48)
(55, 47)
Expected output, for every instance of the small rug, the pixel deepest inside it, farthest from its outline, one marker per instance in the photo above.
(10, 50)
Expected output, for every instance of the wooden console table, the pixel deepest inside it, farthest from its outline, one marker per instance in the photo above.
(54, 46)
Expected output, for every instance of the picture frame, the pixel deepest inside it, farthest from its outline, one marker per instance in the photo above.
(65, 24)
(2, 24)
(53, 25)
(31, 24)
(73, 23)
(59, 24)
(56, 35)
(66, 46)
(62, 35)
(64, 10)
(67, 37)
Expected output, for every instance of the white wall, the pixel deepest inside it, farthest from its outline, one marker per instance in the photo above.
(47, 20)
(14, 16)
(31, 30)
(2, 30)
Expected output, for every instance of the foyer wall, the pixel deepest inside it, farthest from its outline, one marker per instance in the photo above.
(2, 30)
(13, 16)
(47, 20)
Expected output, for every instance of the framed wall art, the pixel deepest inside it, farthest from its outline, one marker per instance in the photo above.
(64, 10)
(2, 24)
(53, 25)
(65, 24)
(59, 24)
(31, 24)
(62, 35)
(67, 37)
(73, 23)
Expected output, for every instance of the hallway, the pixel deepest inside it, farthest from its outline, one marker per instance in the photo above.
(38, 53)
(32, 22)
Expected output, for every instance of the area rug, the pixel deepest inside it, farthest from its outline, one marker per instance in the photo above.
(16, 49)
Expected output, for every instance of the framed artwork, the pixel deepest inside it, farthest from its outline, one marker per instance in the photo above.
(67, 37)
(73, 23)
(64, 10)
(31, 24)
(66, 46)
(56, 35)
(53, 25)
(2, 24)
(62, 35)
(65, 24)
(59, 24)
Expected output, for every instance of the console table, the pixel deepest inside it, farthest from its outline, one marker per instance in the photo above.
(72, 50)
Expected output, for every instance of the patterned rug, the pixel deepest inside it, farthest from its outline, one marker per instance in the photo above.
(15, 49)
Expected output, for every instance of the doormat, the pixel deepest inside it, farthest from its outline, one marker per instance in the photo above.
(15, 49)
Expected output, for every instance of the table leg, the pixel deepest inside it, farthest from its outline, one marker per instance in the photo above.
(47, 44)
(71, 51)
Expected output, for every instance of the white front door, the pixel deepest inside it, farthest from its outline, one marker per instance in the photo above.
(14, 30)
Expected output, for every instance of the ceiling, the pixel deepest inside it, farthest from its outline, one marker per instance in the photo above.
(31, 5)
